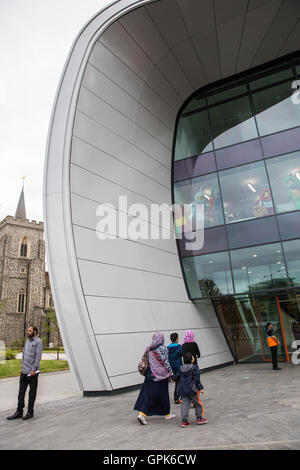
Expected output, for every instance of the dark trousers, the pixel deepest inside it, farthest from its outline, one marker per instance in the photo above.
(185, 406)
(274, 356)
(176, 397)
(32, 381)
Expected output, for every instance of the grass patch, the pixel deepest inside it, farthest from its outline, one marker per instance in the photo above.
(12, 368)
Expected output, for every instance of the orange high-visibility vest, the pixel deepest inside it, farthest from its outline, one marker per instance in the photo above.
(271, 342)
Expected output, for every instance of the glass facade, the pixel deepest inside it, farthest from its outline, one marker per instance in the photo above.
(237, 155)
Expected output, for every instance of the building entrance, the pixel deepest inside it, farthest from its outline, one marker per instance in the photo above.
(244, 320)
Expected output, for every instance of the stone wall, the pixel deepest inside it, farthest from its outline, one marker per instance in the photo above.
(18, 273)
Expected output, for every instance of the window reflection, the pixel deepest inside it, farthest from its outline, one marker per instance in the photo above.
(246, 193)
(193, 135)
(292, 256)
(258, 268)
(284, 173)
(275, 110)
(232, 122)
(208, 275)
(199, 191)
(270, 79)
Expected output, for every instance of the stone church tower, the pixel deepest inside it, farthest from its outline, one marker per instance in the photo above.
(22, 275)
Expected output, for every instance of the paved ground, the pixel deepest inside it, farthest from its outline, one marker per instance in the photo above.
(248, 407)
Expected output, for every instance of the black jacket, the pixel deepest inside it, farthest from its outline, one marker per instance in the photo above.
(189, 382)
(193, 349)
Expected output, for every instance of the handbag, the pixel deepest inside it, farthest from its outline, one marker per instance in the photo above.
(143, 364)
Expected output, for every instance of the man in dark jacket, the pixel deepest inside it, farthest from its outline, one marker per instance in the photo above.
(175, 360)
(189, 390)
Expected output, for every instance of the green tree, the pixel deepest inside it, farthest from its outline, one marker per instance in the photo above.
(52, 326)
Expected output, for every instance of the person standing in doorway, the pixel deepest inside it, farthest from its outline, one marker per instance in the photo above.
(273, 343)
(31, 357)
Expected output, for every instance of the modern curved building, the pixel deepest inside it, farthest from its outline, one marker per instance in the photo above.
(187, 101)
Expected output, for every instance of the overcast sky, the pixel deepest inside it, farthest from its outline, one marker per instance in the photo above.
(35, 38)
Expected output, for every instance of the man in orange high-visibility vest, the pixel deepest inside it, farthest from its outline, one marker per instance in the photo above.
(273, 343)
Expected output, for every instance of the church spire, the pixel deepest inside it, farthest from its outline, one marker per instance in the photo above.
(21, 211)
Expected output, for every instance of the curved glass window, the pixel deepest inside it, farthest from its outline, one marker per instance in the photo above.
(246, 192)
(203, 191)
(275, 109)
(284, 172)
(237, 156)
(258, 268)
(232, 122)
(208, 275)
(193, 135)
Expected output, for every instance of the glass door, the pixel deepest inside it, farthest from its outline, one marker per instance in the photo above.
(244, 322)
(289, 308)
(267, 311)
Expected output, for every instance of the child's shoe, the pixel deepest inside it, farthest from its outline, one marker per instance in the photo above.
(142, 419)
(201, 421)
(185, 424)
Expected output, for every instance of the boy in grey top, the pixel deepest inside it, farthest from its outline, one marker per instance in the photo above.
(31, 357)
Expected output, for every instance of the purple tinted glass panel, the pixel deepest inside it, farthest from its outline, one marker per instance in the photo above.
(254, 232)
(283, 142)
(214, 240)
(289, 225)
(238, 154)
(195, 166)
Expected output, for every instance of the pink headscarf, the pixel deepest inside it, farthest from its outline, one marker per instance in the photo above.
(189, 337)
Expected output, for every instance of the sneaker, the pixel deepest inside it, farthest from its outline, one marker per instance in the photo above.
(170, 416)
(185, 424)
(142, 419)
(16, 415)
(178, 402)
(201, 421)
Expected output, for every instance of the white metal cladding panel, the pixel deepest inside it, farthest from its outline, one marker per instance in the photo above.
(127, 380)
(215, 360)
(134, 344)
(125, 253)
(117, 281)
(141, 27)
(100, 87)
(85, 215)
(179, 315)
(92, 186)
(106, 140)
(118, 315)
(114, 170)
(162, 101)
(257, 23)
(112, 315)
(152, 141)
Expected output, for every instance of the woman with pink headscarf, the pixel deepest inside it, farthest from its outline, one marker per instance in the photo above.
(189, 345)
